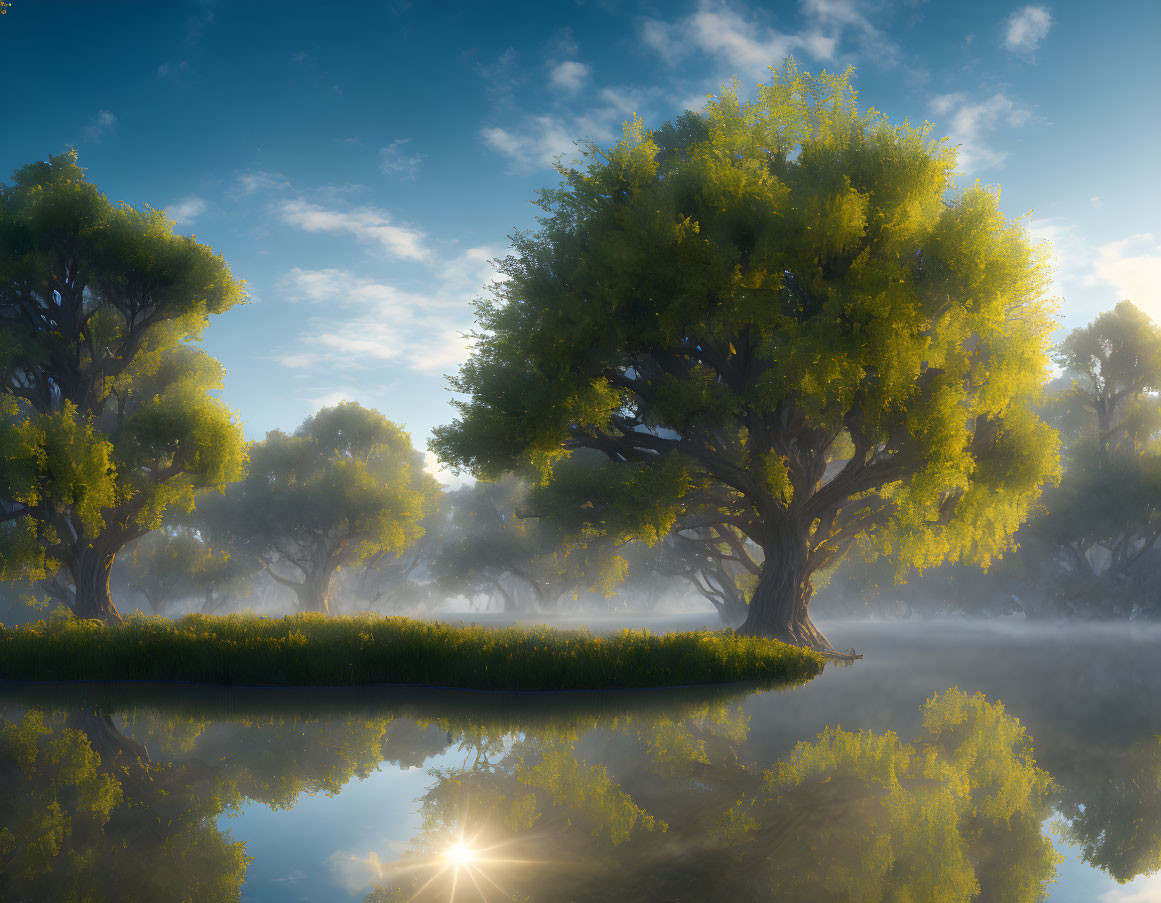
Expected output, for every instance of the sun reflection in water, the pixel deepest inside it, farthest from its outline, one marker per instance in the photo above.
(461, 869)
(460, 854)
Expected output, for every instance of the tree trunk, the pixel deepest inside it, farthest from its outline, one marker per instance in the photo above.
(91, 572)
(314, 593)
(779, 606)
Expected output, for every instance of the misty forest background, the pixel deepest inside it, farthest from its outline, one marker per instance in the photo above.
(339, 515)
(1090, 550)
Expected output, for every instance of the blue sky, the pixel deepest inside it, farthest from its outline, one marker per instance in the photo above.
(359, 164)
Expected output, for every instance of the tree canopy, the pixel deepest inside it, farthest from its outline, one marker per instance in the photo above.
(108, 414)
(786, 317)
(1104, 519)
(346, 486)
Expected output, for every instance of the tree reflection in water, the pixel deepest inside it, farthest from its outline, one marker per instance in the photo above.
(1113, 810)
(954, 815)
(85, 815)
(660, 802)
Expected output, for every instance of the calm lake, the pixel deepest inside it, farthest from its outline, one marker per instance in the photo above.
(889, 779)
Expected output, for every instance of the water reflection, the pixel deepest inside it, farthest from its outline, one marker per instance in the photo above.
(86, 815)
(1113, 810)
(661, 797)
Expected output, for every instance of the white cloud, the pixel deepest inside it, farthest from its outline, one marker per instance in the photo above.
(1093, 277)
(341, 288)
(302, 361)
(187, 210)
(840, 18)
(1132, 266)
(366, 224)
(1026, 28)
(1145, 889)
(724, 33)
(258, 180)
(101, 126)
(471, 271)
(443, 351)
(538, 140)
(569, 75)
(394, 159)
(737, 38)
(333, 397)
(970, 121)
(369, 323)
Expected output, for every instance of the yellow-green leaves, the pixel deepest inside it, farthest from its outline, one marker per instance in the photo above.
(744, 286)
(108, 413)
(776, 477)
(931, 813)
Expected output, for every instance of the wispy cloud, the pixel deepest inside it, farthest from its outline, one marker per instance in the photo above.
(187, 210)
(101, 126)
(173, 70)
(369, 225)
(502, 75)
(971, 121)
(1129, 268)
(394, 159)
(745, 41)
(257, 180)
(199, 23)
(569, 75)
(538, 140)
(1132, 266)
(732, 36)
(1026, 28)
(371, 323)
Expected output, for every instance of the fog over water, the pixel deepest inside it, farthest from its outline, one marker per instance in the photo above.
(338, 794)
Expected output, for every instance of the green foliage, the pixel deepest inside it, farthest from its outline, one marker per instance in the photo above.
(533, 546)
(954, 816)
(346, 486)
(1115, 816)
(776, 280)
(587, 789)
(79, 793)
(314, 649)
(108, 418)
(176, 563)
(1105, 518)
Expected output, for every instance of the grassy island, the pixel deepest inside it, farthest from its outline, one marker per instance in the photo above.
(327, 651)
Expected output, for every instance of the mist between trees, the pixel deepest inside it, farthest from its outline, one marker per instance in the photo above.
(768, 358)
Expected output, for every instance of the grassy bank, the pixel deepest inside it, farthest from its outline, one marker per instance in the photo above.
(319, 650)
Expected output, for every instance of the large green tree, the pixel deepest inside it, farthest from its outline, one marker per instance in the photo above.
(345, 487)
(789, 304)
(107, 415)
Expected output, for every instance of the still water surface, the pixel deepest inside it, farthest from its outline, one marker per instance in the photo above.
(957, 761)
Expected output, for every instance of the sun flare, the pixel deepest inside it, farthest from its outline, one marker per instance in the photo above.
(460, 854)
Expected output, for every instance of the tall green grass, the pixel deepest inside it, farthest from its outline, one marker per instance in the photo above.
(314, 649)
